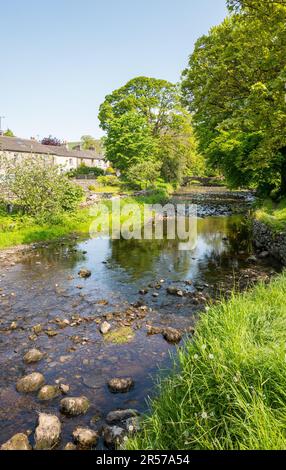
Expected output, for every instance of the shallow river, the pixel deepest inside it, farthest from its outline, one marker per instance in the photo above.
(44, 288)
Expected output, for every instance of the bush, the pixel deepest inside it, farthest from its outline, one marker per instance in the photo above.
(39, 188)
(108, 180)
(85, 170)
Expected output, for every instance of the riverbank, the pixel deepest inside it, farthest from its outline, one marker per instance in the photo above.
(269, 229)
(18, 229)
(227, 391)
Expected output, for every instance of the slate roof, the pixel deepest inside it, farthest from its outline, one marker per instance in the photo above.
(15, 144)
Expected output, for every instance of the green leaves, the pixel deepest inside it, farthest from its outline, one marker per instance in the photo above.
(235, 88)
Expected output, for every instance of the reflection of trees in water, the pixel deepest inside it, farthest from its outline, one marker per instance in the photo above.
(141, 256)
(63, 254)
(212, 229)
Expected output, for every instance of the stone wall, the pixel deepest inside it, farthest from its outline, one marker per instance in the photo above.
(265, 239)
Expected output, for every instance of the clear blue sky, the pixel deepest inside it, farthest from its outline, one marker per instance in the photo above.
(59, 58)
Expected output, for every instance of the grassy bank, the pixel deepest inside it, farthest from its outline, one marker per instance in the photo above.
(20, 229)
(229, 389)
(273, 214)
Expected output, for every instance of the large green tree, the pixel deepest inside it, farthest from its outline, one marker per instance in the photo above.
(145, 121)
(129, 141)
(235, 87)
(151, 98)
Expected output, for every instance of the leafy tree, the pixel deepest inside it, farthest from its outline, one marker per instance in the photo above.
(50, 140)
(144, 174)
(129, 141)
(145, 120)
(178, 150)
(9, 133)
(151, 98)
(235, 87)
(90, 143)
(39, 187)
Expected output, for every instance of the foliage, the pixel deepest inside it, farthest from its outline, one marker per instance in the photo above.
(50, 140)
(235, 87)
(144, 174)
(82, 169)
(178, 150)
(38, 187)
(90, 143)
(145, 122)
(108, 180)
(150, 98)
(129, 141)
(273, 214)
(9, 133)
(227, 390)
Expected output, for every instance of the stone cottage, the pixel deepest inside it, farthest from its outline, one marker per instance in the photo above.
(14, 147)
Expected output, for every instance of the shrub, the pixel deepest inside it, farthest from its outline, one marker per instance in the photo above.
(85, 170)
(38, 187)
(108, 180)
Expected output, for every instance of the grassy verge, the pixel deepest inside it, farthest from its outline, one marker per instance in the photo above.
(228, 390)
(273, 214)
(18, 229)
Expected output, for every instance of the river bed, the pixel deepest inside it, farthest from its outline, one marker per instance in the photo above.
(133, 285)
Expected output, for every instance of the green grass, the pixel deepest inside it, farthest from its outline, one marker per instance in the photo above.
(273, 214)
(20, 230)
(228, 389)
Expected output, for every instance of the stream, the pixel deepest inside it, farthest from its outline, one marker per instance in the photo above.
(134, 285)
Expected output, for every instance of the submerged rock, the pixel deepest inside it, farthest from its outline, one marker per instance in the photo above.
(172, 335)
(84, 273)
(33, 356)
(120, 385)
(48, 432)
(120, 415)
(30, 383)
(74, 406)
(105, 328)
(17, 442)
(85, 437)
(48, 392)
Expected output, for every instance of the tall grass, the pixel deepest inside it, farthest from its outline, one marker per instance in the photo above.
(273, 214)
(228, 387)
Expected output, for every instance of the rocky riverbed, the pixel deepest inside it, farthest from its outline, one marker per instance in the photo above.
(85, 324)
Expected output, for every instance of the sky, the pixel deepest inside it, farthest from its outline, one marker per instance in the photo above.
(60, 58)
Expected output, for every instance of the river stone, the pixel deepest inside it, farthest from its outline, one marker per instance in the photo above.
(48, 392)
(84, 273)
(32, 356)
(120, 415)
(74, 406)
(48, 432)
(172, 335)
(70, 446)
(113, 435)
(30, 383)
(17, 442)
(64, 388)
(105, 328)
(85, 437)
(120, 385)
(154, 330)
